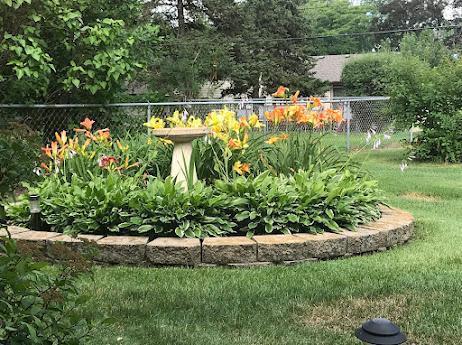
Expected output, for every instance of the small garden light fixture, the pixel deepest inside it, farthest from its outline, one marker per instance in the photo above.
(34, 205)
(380, 332)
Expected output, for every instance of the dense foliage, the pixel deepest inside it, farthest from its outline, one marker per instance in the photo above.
(334, 20)
(89, 51)
(367, 75)
(64, 51)
(431, 99)
(38, 303)
(18, 157)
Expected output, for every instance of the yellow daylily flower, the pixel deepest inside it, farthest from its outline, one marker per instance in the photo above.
(254, 121)
(176, 120)
(155, 123)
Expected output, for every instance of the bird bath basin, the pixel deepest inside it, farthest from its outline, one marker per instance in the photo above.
(182, 139)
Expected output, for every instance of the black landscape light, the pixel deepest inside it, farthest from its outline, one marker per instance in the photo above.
(34, 206)
(380, 332)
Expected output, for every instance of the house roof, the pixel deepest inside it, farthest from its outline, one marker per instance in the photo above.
(329, 67)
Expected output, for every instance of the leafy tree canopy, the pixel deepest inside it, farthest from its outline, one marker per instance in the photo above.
(62, 50)
(335, 18)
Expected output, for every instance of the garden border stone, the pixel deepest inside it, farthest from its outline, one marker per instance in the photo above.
(393, 228)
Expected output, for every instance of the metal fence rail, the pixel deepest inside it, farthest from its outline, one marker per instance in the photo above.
(362, 114)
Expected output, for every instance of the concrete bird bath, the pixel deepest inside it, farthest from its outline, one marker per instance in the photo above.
(182, 150)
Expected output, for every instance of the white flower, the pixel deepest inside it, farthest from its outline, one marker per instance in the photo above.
(386, 137)
(369, 137)
(403, 166)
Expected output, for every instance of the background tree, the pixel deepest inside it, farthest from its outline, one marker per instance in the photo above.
(408, 14)
(248, 43)
(426, 46)
(337, 18)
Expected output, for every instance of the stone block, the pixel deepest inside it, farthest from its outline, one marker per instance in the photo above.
(279, 248)
(81, 244)
(13, 230)
(325, 246)
(122, 249)
(174, 251)
(227, 250)
(33, 242)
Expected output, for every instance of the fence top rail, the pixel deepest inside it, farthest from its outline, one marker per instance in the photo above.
(261, 101)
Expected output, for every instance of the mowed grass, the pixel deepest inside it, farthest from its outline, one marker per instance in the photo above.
(418, 285)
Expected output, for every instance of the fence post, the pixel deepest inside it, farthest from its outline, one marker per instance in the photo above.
(347, 116)
(148, 116)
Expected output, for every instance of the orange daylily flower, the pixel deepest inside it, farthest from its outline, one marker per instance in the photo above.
(87, 123)
(46, 167)
(103, 134)
(232, 144)
(284, 136)
(272, 140)
(294, 97)
(47, 151)
(315, 101)
(243, 122)
(280, 92)
(334, 115)
(302, 118)
(241, 168)
(276, 115)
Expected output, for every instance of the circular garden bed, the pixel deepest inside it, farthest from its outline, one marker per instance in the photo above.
(393, 228)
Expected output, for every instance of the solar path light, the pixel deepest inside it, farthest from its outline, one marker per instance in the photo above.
(380, 332)
(34, 206)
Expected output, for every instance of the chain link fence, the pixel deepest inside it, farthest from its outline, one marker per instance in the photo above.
(362, 116)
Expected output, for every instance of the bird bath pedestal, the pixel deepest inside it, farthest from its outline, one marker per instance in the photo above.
(182, 150)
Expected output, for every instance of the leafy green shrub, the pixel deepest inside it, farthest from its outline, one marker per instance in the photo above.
(430, 98)
(38, 304)
(303, 202)
(19, 149)
(442, 141)
(367, 75)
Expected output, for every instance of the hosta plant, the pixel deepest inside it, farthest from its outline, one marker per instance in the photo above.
(304, 202)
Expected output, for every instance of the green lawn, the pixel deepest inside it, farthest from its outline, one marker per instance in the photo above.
(418, 285)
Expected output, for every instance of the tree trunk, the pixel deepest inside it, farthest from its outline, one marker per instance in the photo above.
(180, 9)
